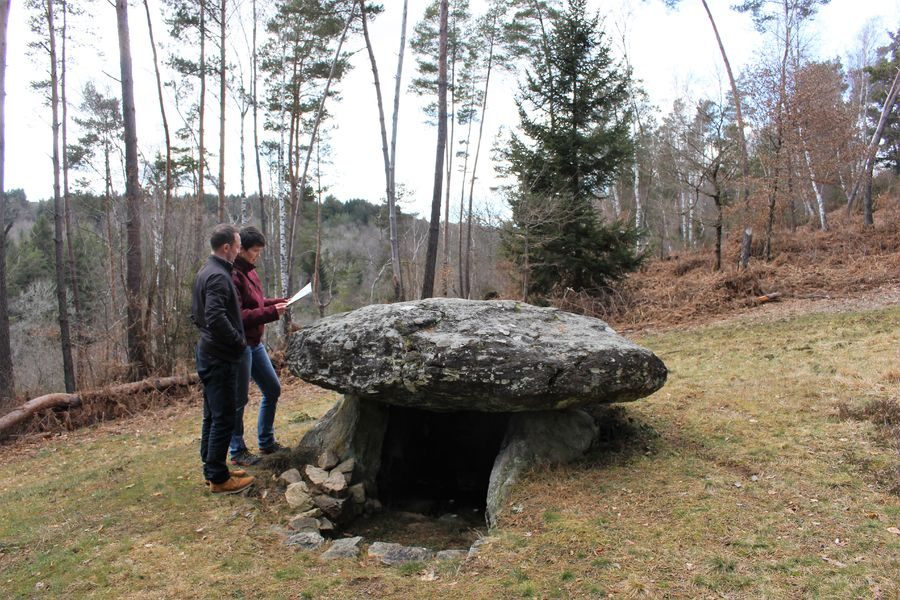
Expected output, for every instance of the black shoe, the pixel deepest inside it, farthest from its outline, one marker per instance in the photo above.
(245, 459)
(276, 447)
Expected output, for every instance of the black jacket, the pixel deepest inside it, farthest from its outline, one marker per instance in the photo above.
(216, 311)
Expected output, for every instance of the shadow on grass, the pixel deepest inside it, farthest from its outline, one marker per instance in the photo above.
(620, 437)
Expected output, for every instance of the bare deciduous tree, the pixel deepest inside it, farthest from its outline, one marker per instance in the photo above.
(7, 381)
(137, 347)
(435, 221)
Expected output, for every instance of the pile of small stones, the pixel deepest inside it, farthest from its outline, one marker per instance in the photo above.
(324, 494)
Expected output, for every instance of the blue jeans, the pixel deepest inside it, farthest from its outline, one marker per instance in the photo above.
(220, 378)
(255, 364)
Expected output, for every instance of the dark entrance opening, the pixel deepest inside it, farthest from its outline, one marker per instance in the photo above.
(437, 463)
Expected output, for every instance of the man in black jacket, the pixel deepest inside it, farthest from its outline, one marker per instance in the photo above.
(216, 312)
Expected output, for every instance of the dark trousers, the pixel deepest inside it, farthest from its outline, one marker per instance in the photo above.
(219, 379)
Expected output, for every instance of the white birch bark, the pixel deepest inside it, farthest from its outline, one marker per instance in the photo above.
(820, 200)
(616, 201)
(690, 220)
(638, 208)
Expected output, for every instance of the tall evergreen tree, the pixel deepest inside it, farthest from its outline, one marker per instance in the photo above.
(574, 114)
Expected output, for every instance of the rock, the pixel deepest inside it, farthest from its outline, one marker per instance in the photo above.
(373, 505)
(475, 548)
(314, 513)
(536, 438)
(346, 466)
(297, 495)
(325, 525)
(290, 476)
(358, 493)
(306, 540)
(351, 428)
(315, 475)
(333, 507)
(451, 554)
(327, 460)
(395, 554)
(446, 354)
(304, 524)
(335, 483)
(343, 548)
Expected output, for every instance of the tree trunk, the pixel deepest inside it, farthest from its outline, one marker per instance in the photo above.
(462, 196)
(159, 278)
(245, 205)
(67, 199)
(137, 350)
(7, 379)
(395, 259)
(451, 116)
(295, 209)
(820, 200)
(779, 142)
(222, 90)
(718, 202)
(467, 281)
(107, 205)
(872, 149)
(434, 225)
(392, 197)
(742, 143)
(48, 401)
(64, 335)
(263, 221)
(201, 161)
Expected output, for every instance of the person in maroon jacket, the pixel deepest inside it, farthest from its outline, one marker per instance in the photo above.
(256, 311)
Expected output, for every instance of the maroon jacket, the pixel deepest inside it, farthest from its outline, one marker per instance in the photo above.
(256, 309)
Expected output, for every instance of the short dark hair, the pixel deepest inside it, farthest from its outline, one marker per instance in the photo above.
(222, 234)
(252, 237)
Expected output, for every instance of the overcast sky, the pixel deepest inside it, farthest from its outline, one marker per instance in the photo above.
(671, 52)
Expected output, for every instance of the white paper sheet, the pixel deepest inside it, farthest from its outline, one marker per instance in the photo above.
(306, 291)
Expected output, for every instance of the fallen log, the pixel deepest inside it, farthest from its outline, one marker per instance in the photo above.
(768, 297)
(62, 400)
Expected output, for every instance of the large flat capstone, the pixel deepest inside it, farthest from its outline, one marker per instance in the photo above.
(445, 354)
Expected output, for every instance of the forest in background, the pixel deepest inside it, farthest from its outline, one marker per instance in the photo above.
(597, 179)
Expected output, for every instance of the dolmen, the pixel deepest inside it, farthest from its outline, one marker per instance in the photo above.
(447, 401)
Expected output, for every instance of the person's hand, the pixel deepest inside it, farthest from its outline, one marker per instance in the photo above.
(281, 307)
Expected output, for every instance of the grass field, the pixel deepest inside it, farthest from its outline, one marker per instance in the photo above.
(760, 470)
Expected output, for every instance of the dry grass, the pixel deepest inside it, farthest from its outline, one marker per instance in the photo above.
(739, 479)
(846, 261)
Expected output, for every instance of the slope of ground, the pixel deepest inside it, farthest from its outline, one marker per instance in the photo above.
(751, 474)
(848, 262)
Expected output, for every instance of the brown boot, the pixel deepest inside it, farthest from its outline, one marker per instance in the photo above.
(235, 473)
(233, 485)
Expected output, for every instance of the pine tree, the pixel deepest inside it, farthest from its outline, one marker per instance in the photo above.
(574, 113)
